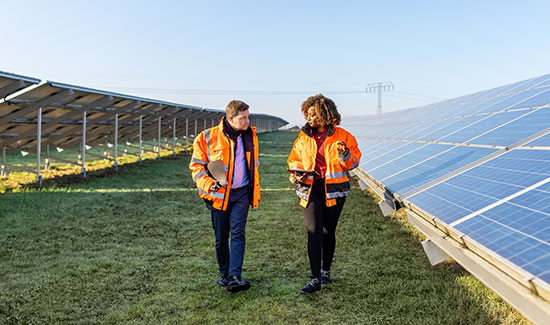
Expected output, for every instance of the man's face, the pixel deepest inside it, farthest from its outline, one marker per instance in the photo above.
(239, 122)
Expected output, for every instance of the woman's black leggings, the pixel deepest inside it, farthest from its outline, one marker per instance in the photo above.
(321, 222)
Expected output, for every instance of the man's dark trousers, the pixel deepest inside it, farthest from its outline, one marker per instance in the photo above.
(233, 221)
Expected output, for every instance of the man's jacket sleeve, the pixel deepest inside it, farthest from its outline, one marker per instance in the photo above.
(351, 159)
(198, 164)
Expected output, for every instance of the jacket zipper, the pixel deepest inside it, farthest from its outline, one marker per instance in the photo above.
(230, 171)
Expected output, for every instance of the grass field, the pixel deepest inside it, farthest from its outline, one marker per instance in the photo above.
(138, 247)
(61, 173)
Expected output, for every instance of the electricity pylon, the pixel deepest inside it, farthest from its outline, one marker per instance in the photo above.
(379, 87)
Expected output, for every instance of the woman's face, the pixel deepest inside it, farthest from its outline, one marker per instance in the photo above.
(312, 118)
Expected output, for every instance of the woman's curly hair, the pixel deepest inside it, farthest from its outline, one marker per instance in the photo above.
(325, 109)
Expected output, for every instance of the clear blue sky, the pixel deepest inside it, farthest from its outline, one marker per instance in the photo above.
(274, 54)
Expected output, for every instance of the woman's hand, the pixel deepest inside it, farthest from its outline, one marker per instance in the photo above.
(300, 177)
(342, 148)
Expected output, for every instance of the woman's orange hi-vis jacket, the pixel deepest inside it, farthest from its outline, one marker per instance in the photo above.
(303, 155)
(213, 144)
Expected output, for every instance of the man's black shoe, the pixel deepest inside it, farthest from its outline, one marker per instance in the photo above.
(325, 277)
(237, 283)
(313, 285)
(223, 281)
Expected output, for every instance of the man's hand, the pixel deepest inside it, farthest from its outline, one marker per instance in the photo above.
(342, 148)
(216, 186)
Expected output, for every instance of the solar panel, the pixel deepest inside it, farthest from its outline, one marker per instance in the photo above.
(64, 104)
(34, 114)
(11, 83)
(477, 168)
(438, 165)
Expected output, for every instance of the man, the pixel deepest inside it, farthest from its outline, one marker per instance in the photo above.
(235, 144)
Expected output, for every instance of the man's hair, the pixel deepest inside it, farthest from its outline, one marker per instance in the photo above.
(234, 107)
(325, 109)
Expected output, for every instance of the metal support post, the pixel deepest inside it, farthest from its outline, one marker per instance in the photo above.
(174, 136)
(116, 142)
(160, 123)
(186, 134)
(3, 171)
(84, 144)
(204, 125)
(140, 140)
(38, 146)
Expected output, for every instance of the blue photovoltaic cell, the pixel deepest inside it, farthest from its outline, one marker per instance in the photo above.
(543, 84)
(412, 131)
(515, 87)
(540, 142)
(483, 185)
(525, 99)
(482, 126)
(434, 168)
(518, 234)
(535, 82)
(368, 146)
(453, 126)
(439, 129)
(536, 162)
(390, 131)
(449, 203)
(429, 132)
(390, 155)
(542, 98)
(413, 157)
(493, 104)
(378, 151)
(533, 122)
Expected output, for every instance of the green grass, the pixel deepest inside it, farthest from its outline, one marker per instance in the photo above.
(138, 247)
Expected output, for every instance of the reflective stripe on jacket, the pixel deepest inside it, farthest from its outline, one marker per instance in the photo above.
(303, 155)
(213, 144)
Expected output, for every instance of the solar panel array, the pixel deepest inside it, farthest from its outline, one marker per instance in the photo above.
(477, 165)
(34, 114)
(63, 105)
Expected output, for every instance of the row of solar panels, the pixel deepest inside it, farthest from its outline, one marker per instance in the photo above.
(62, 107)
(478, 168)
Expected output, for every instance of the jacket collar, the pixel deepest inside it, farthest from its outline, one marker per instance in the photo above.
(223, 130)
(308, 130)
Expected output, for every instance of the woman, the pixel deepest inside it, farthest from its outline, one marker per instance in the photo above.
(322, 154)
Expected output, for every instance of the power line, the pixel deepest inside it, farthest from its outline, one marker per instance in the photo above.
(234, 92)
(214, 92)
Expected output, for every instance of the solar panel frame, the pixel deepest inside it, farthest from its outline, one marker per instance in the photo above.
(11, 83)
